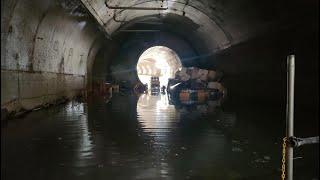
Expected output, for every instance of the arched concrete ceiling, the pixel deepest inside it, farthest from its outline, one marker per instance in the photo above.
(222, 23)
(113, 19)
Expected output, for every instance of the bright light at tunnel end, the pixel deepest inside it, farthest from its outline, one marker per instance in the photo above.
(159, 61)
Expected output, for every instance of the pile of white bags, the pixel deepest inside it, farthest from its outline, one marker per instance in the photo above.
(209, 77)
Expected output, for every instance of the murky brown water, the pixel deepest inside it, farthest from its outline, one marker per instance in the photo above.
(145, 137)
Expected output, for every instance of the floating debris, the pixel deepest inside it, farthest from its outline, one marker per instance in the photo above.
(183, 148)
(297, 158)
(266, 157)
(260, 160)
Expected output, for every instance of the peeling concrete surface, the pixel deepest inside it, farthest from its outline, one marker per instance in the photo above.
(44, 53)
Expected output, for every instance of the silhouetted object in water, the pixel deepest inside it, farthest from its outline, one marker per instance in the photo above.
(125, 87)
(140, 88)
(163, 89)
(146, 88)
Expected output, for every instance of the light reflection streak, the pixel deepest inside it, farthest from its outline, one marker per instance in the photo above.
(158, 119)
(85, 149)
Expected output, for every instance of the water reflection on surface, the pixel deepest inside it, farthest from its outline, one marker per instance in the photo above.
(169, 127)
(144, 137)
(155, 114)
(158, 119)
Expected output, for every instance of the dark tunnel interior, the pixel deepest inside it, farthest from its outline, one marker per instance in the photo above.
(56, 50)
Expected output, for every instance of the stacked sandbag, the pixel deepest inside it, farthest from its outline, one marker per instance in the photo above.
(195, 78)
(215, 85)
(203, 74)
(196, 84)
(196, 73)
(193, 72)
(212, 75)
(184, 76)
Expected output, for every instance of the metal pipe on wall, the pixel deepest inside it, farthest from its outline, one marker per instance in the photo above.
(135, 8)
(139, 30)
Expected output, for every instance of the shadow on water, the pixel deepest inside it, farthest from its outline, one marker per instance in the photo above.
(147, 137)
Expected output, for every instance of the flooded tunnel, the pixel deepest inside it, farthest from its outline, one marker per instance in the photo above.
(72, 73)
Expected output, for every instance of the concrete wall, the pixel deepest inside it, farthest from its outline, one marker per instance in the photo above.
(44, 53)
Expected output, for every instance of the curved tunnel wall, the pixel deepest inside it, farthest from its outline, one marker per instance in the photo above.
(44, 53)
(47, 53)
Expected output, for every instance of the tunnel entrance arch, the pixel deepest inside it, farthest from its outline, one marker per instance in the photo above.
(158, 61)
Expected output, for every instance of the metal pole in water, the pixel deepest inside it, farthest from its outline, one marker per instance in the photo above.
(290, 113)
